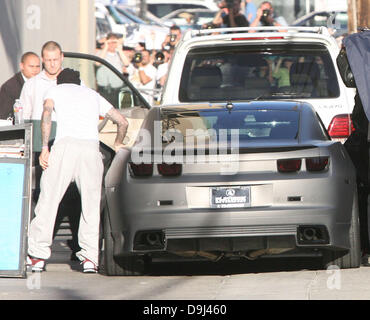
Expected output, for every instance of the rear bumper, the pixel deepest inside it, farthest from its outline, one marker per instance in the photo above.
(226, 230)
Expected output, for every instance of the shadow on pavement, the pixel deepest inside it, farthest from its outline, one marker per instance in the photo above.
(232, 267)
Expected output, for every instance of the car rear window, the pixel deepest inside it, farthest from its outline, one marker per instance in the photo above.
(258, 72)
(248, 124)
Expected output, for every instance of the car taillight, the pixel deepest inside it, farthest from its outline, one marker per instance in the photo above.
(174, 169)
(317, 163)
(289, 165)
(339, 126)
(141, 170)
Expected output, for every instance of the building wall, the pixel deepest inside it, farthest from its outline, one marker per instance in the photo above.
(25, 25)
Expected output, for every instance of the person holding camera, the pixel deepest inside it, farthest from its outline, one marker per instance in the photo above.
(265, 17)
(108, 84)
(230, 15)
(172, 39)
(142, 74)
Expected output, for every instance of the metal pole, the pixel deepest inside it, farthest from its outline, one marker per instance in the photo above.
(308, 6)
(143, 9)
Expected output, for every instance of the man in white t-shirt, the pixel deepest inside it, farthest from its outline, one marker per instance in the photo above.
(143, 76)
(75, 156)
(33, 91)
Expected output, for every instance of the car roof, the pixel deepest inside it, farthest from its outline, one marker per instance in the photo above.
(263, 33)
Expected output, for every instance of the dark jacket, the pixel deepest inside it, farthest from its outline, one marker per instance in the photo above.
(240, 20)
(10, 90)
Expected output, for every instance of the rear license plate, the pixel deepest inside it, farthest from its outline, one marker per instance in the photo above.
(230, 197)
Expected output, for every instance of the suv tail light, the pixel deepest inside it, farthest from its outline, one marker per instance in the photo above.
(339, 126)
(174, 169)
(317, 163)
(141, 170)
(289, 165)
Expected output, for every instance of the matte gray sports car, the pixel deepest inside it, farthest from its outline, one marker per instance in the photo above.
(231, 179)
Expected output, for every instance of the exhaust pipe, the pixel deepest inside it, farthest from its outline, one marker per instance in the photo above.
(152, 238)
(149, 240)
(309, 234)
(315, 234)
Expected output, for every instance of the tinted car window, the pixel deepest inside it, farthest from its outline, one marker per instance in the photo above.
(253, 72)
(248, 124)
(102, 79)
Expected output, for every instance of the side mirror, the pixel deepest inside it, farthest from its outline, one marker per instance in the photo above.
(345, 69)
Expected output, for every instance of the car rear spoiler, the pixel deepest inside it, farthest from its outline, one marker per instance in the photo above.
(227, 151)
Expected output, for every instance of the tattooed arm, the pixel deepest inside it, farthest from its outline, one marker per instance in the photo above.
(45, 132)
(122, 125)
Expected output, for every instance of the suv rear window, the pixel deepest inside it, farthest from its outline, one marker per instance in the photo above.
(250, 124)
(255, 71)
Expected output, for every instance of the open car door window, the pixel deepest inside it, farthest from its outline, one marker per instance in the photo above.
(101, 76)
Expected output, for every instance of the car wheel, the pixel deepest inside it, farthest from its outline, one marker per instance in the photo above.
(117, 266)
(351, 258)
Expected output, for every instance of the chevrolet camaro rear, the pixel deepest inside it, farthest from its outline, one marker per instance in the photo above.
(250, 180)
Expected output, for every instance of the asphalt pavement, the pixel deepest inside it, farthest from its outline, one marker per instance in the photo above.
(269, 279)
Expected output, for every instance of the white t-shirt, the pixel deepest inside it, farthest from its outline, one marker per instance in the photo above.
(106, 77)
(32, 96)
(77, 110)
(162, 70)
(134, 77)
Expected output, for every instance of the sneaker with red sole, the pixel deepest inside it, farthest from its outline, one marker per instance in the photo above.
(88, 266)
(36, 264)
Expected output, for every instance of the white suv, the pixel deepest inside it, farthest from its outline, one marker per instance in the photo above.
(218, 65)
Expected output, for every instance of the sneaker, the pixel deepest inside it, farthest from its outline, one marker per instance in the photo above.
(89, 266)
(36, 264)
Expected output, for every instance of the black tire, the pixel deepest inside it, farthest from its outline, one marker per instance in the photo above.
(351, 258)
(114, 266)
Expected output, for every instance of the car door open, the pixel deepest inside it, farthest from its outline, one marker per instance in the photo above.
(98, 74)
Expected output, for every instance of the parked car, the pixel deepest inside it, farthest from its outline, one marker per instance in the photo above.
(336, 20)
(279, 187)
(103, 26)
(215, 65)
(161, 8)
(138, 30)
(102, 11)
(197, 17)
(259, 178)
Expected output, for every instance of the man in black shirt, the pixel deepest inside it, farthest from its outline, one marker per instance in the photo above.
(230, 15)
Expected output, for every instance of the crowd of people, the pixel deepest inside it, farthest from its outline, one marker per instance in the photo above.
(145, 69)
(244, 13)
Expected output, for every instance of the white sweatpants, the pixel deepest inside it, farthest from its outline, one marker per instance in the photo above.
(70, 160)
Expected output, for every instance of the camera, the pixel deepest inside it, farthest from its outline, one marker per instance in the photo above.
(173, 37)
(266, 17)
(159, 57)
(137, 57)
(229, 3)
(99, 45)
(226, 4)
(209, 25)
